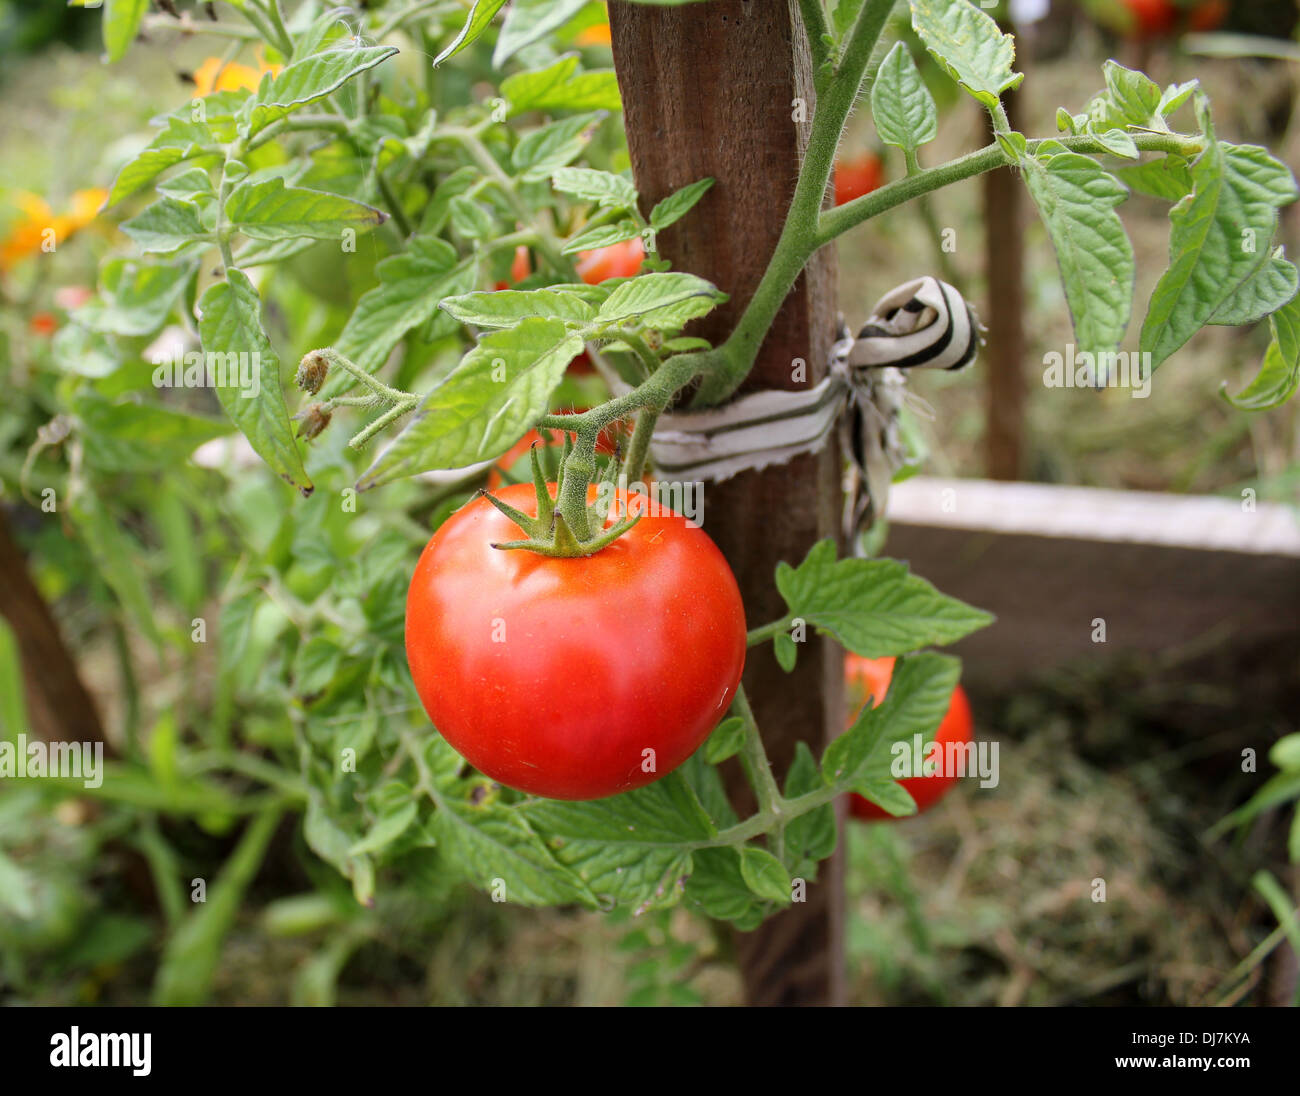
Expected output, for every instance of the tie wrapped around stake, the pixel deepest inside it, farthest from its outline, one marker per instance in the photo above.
(922, 324)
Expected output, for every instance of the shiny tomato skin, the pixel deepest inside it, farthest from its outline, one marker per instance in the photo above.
(620, 260)
(639, 646)
(864, 676)
(856, 177)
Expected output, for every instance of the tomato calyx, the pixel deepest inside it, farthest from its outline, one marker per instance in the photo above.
(553, 534)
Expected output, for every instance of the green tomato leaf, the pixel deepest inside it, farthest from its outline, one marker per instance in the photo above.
(968, 44)
(631, 849)
(495, 847)
(673, 208)
(602, 236)
(717, 890)
(901, 104)
(193, 184)
(480, 16)
(166, 226)
(540, 152)
(919, 694)
(786, 651)
(121, 23)
(230, 325)
(727, 740)
(506, 307)
(1168, 178)
(270, 210)
(874, 607)
(135, 298)
(561, 87)
(117, 559)
(1272, 285)
(144, 169)
(528, 21)
(497, 392)
(660, 301)
(609, 190)
(1279, 376)
(470, 219)
(308, 80)
(764, 874)
(810, 838)
(1218, 234)
(1076, 199)
(134, 437)
(410, 286)
(387, 829)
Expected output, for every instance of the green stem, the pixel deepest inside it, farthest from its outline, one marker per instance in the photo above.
(754, 759)
(641, 348)
(639, 449)
(283, 42)
(835, 222)
(394, 206)
(486, 162)
(767, 631)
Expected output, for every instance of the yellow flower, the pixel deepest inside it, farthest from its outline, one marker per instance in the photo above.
(212, 76)
(39, 228)
(595, 35)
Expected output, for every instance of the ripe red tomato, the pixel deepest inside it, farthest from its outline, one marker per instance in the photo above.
(1152, 18)
(1208, 16)
(864, 676)
(615, 261)
(520, 267)
(856, 177)
(555, 676)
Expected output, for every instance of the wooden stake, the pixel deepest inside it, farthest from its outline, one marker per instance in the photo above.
(724, 89)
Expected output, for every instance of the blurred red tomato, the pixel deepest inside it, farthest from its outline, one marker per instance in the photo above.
(865, 677)
(43, 323)
(1152, 18)
(1208, 16)
(856, 177)
(520, 268)
(620, 260)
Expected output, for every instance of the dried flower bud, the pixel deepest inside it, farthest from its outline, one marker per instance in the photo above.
(312, 371)
(314, 418)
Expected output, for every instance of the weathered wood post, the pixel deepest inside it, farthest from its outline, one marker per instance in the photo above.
(724, 89)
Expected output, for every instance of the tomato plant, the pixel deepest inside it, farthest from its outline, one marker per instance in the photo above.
(652, 625)
(339, 202)
(867, 680)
